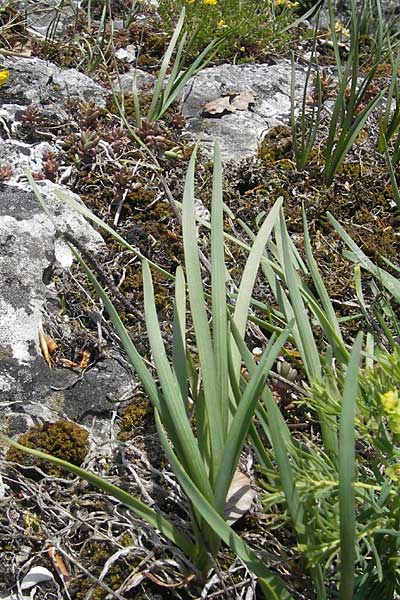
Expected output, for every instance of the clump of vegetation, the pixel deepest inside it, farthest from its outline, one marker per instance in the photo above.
(327, 439)
(63, 439)
(256, 27)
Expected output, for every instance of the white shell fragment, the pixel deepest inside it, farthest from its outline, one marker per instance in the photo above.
(36, 575)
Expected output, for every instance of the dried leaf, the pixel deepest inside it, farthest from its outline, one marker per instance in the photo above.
(218, 106)
(239, 499)
(230, 103)
(85, 359)
(44, 347)
(69, 363)
(242, 101)
(51, 345)
(58, 563)
(164, 584)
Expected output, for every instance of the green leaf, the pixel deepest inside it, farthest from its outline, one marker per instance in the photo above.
(347, 474)
(249, 275)
(157, 93)
(218, 292)
(179, 359)
(244, 415)
(308, 347)
(200, 322)
(172, 409)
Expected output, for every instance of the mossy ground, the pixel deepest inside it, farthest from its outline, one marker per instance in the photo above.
(63, 439)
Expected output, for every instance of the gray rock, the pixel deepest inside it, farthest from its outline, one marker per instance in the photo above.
(22, 157)
(28, 249)
(47, 86)
(29, 253)
(241, 131)
(26, 252)
(50, 18)
(41, 82)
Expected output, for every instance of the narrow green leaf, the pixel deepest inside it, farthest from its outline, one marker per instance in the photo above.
(250, 273)
(200, 320)
(173, 408)
(218, 291)
(347, 474)
(179, 359)
(164, 66)
(318, 281)
(311, 355)
(280, 433)
(244, 415)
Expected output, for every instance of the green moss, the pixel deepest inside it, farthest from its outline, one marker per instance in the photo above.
(134, 415)
(276, 145)
(63, 439)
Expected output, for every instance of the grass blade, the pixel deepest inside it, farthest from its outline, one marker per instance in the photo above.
(179, 359)
(173, 408)
(244, 415)
(218, 291)
(249, 276)
(200, 321)
(347, 474)
(164, 66)
(310, 352)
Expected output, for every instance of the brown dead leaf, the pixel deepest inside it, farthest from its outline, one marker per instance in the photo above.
(44, 346)
(242, 101)
(58, 563)
(164, 584)
(218, 106)
(85, 359)
(230, 103)
(71, 364)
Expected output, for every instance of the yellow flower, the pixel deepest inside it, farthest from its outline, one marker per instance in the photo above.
(341, 29)
(394, 424)
(391, 407)
(390, 403)
(4, 76)
(286, 3)
(221, 24)
(393, 472)
(210, 2)
(190, 1)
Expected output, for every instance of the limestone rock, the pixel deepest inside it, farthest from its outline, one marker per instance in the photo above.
(240, 131)
(33, 80)
(27, 257)
(49, 19)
